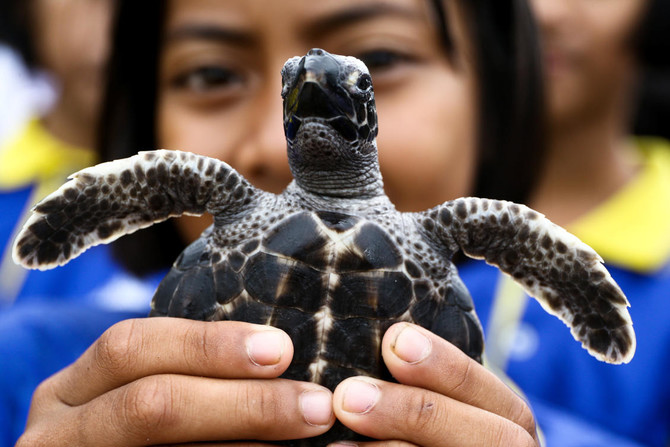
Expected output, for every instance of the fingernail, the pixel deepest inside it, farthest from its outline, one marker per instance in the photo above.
(266, 347)
(316, 407)
(359, 396)
(343, 444)
(411, 345)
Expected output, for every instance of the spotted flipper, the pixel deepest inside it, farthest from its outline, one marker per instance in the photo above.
(104, 202)
(565, 275)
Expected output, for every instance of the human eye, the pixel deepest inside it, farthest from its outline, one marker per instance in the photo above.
(382, 60)
(204, 78)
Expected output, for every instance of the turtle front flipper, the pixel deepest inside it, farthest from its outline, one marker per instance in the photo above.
(101, 203)
(564, 274)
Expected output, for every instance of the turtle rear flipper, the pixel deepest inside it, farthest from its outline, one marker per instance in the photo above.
(99, 204)
(564, 274)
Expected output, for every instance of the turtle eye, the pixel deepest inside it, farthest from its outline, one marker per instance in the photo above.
(364, 82)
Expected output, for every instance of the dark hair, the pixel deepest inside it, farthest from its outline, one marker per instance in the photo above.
(653, 39)
(511, 100)
(15, 29)
(128, 121)
(510, 92)
(653, 51)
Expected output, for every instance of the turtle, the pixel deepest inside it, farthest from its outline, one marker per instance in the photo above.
(329, 260)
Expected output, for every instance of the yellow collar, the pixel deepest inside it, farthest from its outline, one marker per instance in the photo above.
(632, 229)
(35, 156)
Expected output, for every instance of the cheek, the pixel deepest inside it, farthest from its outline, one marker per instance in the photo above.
(72, 36)
(603, 61)
(427, 143)
(180, 127)
(609, 52)
(613, 23)
(209, 133)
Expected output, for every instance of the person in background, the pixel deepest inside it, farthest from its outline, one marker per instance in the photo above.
(66, 42)
(458, 91)
(612, 190)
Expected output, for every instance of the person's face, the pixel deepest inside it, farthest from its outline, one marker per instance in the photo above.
(588, 56)
(220, 83)
(72, 43)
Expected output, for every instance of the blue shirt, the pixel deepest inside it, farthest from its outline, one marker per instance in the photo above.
(630, 401)
(33, 164)
(37, 340)
(631, 231)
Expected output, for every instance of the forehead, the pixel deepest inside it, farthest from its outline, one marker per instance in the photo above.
(294, 19)
(269, 32)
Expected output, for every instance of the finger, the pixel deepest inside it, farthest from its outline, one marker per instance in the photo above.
(419, 358)
(389, 443)
(222, 444)
(174, 409)
(138, 348)
(384, 410)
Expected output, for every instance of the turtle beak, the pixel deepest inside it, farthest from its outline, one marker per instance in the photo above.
(316, 91)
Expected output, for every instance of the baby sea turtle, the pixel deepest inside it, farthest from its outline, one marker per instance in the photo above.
(330, 260)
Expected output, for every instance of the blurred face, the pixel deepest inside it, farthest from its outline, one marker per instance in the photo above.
(220, 82)
(72, 43)
(589, 61)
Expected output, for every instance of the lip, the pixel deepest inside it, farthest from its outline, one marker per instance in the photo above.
(557, 61)
(553, 61)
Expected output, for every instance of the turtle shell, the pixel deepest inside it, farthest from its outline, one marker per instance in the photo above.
(334, 282)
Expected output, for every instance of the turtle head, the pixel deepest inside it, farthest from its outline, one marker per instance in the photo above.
(330, 121)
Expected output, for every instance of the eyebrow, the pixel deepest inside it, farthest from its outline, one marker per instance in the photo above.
(357, 14)
(321, 25)
(212, 32)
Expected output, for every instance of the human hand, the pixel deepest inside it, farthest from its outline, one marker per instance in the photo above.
(167, 381)
(444, 398)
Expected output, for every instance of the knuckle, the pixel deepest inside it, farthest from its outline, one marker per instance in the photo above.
(31, 439)
(202, 343)
(507, 433)
(258, 405)
(423, 411)
(44, 392)
(47, 396)
(526, 420)
(395, 443)
(148, 405)
(461, 377)
(118, 346)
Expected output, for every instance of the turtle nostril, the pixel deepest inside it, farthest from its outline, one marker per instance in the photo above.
(315, 52)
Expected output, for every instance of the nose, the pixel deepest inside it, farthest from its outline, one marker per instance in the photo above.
(262, 157)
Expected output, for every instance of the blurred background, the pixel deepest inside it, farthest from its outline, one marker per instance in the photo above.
(53, 71)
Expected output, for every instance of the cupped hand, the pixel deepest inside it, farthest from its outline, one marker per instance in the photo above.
(444, 398)
(169, 381)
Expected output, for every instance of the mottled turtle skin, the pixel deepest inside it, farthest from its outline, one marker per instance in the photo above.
(329, 260)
